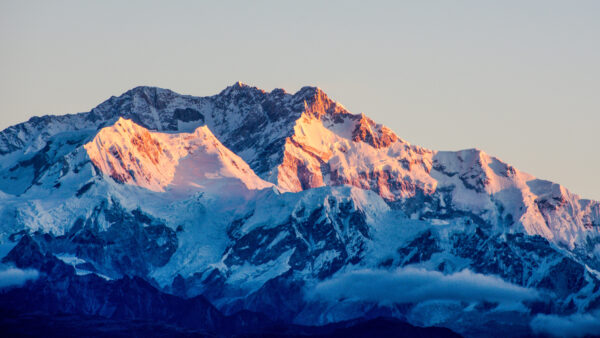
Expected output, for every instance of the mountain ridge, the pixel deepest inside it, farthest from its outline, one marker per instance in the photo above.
(142, 186)
(305, 140)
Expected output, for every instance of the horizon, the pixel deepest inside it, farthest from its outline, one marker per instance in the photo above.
(517, 80)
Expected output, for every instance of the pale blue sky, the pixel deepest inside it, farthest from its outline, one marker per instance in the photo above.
(518, 79)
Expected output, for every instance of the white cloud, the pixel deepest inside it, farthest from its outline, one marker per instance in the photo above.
(577, 325)
(16, 277)
(409, 285)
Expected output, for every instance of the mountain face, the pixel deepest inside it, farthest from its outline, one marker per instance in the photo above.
(251, 206)
(133, 155)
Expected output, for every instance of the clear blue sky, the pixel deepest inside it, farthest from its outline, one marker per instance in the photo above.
(518, 79)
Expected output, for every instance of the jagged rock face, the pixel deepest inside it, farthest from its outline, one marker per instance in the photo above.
(346, 149)
(321, 241)
(529, 260)
(381, 137)
(111, 241)
(252, 199)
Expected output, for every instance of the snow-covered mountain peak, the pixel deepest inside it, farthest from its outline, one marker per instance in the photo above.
(182, 162)
(149, 91)
(240, 88)
(301, 141)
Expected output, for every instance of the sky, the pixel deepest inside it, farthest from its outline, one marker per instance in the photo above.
(517, 79)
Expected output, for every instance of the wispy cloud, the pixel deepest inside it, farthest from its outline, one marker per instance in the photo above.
(576, 325)
(409, 285)
(10, 277)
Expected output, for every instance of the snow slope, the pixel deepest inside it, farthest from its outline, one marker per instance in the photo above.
(182, 162)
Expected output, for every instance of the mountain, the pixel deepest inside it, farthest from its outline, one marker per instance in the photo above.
(292, 208)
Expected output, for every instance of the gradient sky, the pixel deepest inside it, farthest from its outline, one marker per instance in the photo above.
(518, 79)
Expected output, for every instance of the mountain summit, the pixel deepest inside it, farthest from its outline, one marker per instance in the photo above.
(274, 202)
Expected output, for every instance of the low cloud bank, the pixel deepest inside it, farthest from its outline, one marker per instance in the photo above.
(10, 277)
(577, 325)
(409, 285)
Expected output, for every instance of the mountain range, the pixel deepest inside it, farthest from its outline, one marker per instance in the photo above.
(254, 211)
